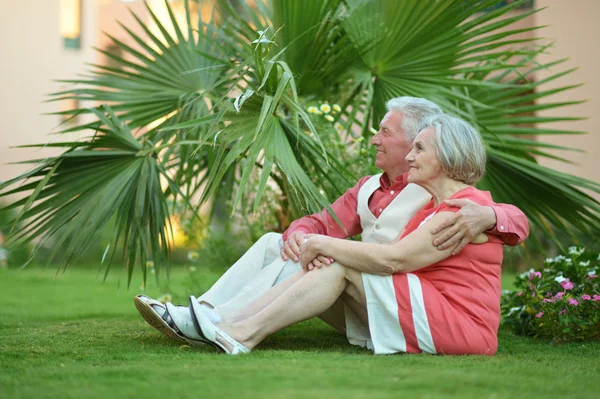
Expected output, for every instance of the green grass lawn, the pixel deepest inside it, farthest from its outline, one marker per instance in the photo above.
(70, 336)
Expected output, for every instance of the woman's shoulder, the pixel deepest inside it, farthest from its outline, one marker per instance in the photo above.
(475, 195)
(470, 193)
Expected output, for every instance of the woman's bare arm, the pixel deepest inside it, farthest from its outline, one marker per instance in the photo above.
(413, 252)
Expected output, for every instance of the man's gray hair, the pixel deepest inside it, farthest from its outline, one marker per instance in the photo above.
(459, 148)
(415, 111)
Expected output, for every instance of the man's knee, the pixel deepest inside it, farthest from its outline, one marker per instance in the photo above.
(270, 236)
(271, 240)
(270, 243)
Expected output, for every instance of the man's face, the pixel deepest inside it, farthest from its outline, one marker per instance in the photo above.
(392, 146)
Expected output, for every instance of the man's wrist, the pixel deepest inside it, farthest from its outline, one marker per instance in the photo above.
(492, 219)
(296, 234)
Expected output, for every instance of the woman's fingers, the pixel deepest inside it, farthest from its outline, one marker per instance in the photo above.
(324, 260)
(319, 262)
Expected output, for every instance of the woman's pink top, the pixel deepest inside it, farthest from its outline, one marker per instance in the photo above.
(461, 293)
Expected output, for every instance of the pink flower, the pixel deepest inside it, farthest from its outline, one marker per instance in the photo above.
(519, 293)
(539, 315)
(567, 285)
(559, 295)
(564, 311)
(533, 294)
(591, 276)
(573, 302)
(534, 275)
(549, 300)
(586, 297)
(596, 298)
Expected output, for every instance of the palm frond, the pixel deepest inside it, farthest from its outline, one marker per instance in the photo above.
(513, 175)
(82, 190)
(199, 104)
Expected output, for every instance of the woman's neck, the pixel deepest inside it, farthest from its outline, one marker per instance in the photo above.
(443, 188)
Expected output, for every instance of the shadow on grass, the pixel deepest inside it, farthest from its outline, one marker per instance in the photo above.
(309, 336)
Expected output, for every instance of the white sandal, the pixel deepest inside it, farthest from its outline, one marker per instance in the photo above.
(209, 331)
(182, 319)
(149, 309)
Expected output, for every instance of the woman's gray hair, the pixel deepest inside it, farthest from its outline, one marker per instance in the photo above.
(459, 148)
(415, 111)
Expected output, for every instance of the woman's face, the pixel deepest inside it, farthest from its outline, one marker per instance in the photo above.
(424, 164)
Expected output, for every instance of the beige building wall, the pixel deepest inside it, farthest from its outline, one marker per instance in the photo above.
(110, 14)
(575, 28)
(33, 56)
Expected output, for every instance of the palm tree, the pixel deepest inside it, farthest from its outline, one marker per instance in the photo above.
(193, 114)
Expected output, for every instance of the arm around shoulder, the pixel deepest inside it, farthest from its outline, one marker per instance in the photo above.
(512, 225)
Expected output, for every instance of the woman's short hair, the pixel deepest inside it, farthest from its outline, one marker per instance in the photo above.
(414, 110)
(459, 148)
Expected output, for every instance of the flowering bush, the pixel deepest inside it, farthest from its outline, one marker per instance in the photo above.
(561, 303)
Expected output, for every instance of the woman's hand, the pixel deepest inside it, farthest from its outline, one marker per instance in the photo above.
(319, 262)
(310, 253)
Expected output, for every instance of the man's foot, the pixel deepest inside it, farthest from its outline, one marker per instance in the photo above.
(173, 321)
(183, 323)
(155, 314)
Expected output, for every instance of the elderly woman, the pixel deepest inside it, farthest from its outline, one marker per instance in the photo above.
(408, 295)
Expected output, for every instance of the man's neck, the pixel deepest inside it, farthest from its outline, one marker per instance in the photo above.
(387, 182)
(393, 176)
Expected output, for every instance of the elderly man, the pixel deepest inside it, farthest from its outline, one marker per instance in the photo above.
(388, 196)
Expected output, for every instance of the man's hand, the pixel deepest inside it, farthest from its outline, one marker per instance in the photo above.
(291, 248)
(472, 220)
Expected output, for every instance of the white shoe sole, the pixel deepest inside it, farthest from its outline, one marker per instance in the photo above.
(159, 324)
